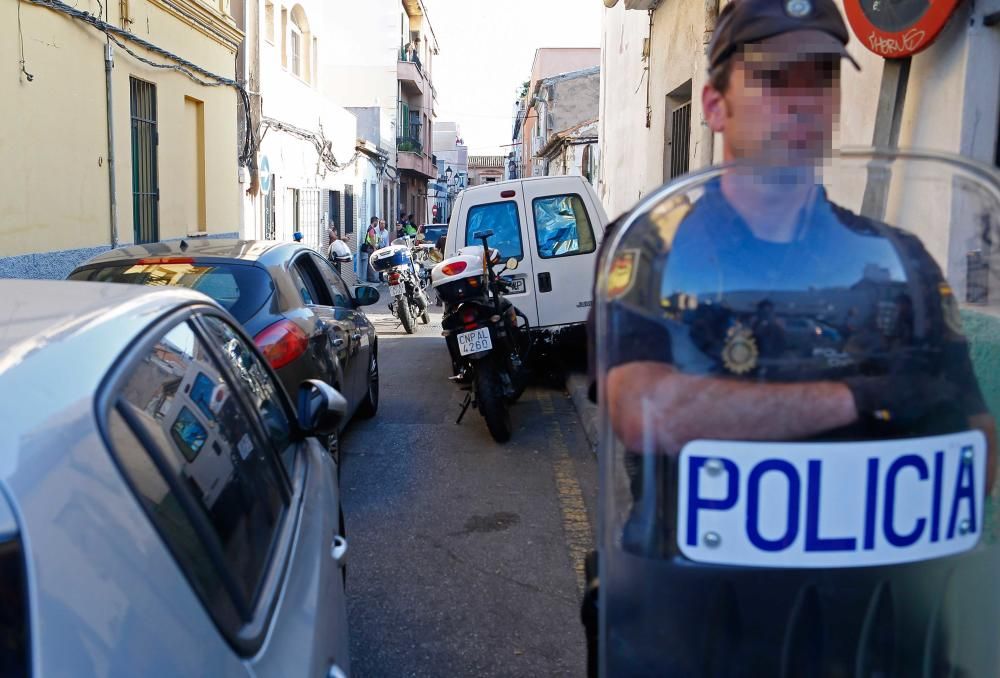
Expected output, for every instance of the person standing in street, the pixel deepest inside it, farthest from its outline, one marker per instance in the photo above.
(369, 245)
(383, 234)
(338, 249)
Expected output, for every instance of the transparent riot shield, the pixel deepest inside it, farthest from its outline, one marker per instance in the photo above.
(798, 373)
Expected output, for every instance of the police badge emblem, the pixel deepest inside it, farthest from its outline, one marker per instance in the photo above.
(740, 353)
(622, 273)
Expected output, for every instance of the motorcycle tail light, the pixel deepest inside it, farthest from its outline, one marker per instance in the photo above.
(468, 316)
(394, 278)
(281, 343)
(454, 268)
(473, 282)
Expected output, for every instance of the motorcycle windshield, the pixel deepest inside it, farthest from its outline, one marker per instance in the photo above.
(798, 377)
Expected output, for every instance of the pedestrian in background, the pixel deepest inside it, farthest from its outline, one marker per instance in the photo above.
(338, 249)
(369, 245)
(383, 234)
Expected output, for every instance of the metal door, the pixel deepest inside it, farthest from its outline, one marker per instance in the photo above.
(145, 179)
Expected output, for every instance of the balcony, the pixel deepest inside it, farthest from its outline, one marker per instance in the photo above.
(411, 158)
(410, 73)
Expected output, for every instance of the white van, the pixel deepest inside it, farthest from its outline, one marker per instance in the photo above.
(553, 227)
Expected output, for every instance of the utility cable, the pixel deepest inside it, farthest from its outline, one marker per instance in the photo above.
(181, 65)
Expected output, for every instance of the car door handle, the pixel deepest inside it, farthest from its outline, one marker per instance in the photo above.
(338, 550)
(544, 282)
(339, 342)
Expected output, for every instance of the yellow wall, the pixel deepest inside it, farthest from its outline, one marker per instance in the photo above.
(53, 141)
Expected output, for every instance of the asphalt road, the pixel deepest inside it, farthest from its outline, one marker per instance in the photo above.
(465, 556)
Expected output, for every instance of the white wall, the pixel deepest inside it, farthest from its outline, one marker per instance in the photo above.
(951, 105)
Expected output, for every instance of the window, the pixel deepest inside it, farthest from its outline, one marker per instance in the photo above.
(335, 213)
(314, 62)
(314, 287)
(562, 227)
(296, 38)
(341, 297)
(145, 181)
(269, 22)
(348, 208)
(241, 289)
(502, 219)
(256, 381)
(678, 133)
(284, 37)
(202, 469)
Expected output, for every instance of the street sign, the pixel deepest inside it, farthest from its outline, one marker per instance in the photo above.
(898, 28)
(265, 174)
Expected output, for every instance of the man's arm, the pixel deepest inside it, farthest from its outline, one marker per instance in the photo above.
(655, 408)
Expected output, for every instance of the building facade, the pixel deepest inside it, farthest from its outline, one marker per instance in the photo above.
(655, 132)
(486, 169)
(548, 62)
(112, 150)
(310, 175)
(565, 134)
(452, 169)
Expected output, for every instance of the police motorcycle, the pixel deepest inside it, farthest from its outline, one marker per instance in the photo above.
(487, 336)
(751, 525)
(395, 265)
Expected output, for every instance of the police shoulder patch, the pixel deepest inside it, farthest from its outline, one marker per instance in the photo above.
(622, 273)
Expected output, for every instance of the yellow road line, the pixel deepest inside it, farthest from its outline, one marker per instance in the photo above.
(576, 525)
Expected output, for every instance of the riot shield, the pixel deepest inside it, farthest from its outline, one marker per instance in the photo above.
(798, 373)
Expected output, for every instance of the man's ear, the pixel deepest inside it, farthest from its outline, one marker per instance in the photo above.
(715, 109)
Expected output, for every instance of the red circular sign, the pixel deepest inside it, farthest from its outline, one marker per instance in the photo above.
(898, 28)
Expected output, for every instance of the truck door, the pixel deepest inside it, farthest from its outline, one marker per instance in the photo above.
(499, 208)
(563, 236)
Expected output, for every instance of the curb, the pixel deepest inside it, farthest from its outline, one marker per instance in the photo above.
(577, 385)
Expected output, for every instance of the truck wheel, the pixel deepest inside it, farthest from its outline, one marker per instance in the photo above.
(492, 404)
(403, 310)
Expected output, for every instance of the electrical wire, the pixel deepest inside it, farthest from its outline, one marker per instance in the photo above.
(20, 37)
(181, 65)
(324, 147)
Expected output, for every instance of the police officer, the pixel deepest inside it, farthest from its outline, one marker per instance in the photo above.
(773, 93)
(762, 310)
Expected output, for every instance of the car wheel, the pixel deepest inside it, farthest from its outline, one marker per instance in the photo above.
(369, 406)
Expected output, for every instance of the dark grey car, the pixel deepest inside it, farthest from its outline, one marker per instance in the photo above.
(290, 299)
(164, 510)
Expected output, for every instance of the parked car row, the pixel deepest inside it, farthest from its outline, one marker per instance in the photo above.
(169, 499)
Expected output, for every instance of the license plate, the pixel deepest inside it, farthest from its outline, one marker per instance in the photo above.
(397, 290)
(516, 285)
(475, 341)
(831, 505)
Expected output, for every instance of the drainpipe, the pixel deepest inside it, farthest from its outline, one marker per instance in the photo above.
(108, 65)
(707, 135)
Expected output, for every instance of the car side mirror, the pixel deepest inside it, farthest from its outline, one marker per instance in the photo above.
(321, 407)
(366, 295)
(512, 264)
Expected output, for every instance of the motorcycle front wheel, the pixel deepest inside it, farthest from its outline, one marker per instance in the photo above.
(492, 404)
(403, 310)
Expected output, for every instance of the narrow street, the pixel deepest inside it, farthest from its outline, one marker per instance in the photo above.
(465, 555)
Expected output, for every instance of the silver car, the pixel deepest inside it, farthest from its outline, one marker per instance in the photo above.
(163, 509)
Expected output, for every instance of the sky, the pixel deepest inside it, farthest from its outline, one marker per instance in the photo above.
(487, 47)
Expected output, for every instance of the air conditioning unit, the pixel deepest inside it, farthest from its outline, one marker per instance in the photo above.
(641, 4)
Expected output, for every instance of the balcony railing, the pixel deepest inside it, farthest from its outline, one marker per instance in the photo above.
(409, 145)
(411, 57)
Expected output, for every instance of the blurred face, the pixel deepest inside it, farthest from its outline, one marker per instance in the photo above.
(777, 106)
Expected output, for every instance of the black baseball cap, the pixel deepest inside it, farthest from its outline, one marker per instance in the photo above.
(745, 22)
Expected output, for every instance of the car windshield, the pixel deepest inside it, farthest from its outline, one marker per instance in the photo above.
(241, 289)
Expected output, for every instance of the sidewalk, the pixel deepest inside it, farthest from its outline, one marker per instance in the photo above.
(577, 385)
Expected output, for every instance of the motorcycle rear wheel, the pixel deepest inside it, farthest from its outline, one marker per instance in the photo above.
(403, 309)
(492, 404)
